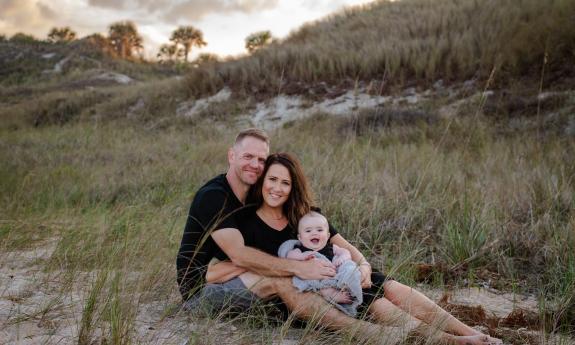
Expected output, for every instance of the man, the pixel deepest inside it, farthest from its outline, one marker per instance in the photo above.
(213, 202)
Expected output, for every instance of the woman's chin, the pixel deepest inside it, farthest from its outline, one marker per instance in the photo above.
(274, 203)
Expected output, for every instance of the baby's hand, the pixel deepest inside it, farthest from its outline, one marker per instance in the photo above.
(338, 261)
(310, 256)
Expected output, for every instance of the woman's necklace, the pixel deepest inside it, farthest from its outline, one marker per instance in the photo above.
(271, 216)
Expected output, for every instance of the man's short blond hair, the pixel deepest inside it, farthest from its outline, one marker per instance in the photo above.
(252, 132)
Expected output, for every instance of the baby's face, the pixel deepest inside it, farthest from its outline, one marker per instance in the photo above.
(313, 232)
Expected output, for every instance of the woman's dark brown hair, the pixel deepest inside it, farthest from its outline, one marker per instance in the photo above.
(300, 199)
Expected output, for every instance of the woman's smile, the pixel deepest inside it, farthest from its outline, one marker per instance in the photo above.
(277, 185)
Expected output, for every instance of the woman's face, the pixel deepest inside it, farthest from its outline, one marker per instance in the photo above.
(276, 186)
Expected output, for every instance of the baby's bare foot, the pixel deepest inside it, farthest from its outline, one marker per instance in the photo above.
(335, 295)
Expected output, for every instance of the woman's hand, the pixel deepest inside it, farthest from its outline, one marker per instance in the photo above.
(365, 270)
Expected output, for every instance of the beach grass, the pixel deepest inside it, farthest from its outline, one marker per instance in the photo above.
(112, 200)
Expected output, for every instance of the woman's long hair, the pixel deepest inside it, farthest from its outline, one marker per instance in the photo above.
(300, 199)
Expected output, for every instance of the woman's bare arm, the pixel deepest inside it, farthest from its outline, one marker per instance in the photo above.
(357, 257)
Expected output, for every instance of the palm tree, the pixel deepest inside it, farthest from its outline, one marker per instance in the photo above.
(188, 37)
(125, 39)
(101, 42)
(64, 34)
(257, 40)
(169, 52)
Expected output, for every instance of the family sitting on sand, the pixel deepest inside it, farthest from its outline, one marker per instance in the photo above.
(240, 221)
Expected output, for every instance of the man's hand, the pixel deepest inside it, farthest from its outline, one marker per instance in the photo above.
(365, 270)
(314, 269)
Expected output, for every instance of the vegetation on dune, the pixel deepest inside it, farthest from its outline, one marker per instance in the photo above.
(44, 64)
(479, 207)
(410, 41)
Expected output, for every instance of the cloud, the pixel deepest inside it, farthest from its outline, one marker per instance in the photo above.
(113, 4)
(30, 16)
(46, 12)
(171, 10)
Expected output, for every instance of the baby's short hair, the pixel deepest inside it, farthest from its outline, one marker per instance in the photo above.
(311, 214)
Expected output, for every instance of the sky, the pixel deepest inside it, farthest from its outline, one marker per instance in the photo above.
(224, 23)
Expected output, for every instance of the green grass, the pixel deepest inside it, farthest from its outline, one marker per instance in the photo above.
(114, 198)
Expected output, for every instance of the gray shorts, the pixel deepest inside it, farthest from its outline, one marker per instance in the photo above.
(231, 296)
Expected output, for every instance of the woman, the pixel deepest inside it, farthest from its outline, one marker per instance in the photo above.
(281, 197)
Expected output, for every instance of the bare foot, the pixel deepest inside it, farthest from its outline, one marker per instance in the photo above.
(335, 295)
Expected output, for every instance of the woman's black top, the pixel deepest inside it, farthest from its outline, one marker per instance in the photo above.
(326, 251)
(259, 235)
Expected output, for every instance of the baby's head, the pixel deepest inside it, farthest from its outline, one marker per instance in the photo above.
(313, 231)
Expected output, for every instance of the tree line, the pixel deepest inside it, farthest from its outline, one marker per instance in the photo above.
(124, 41)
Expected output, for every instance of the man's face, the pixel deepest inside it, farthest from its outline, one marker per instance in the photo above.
(247, 159)
(313, 232)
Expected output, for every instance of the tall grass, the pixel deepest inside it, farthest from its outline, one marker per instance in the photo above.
(114, 198)
(408, 41)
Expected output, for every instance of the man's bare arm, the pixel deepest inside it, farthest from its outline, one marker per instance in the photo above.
(232, 243)
(222, 271)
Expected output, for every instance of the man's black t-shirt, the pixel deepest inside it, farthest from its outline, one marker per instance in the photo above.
(211, 209)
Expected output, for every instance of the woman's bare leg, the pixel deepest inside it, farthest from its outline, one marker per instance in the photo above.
(388, 313)
(312, 307)
(421, 307)
(417, 304)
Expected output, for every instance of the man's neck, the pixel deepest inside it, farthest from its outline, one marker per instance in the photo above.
(239, 188)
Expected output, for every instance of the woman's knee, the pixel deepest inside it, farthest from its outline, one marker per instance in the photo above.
(394, 290)
(388, 313)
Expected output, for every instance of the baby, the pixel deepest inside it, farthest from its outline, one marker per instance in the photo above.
(313, 236)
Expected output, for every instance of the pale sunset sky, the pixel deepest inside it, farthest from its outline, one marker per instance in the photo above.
(225, 23)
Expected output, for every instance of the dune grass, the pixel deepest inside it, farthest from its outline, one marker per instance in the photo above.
(387, 44)
(113, 199)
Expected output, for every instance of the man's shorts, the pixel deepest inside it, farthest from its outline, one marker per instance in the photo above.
(231, 296)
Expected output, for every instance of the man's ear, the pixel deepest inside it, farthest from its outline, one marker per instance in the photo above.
(231, 155)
